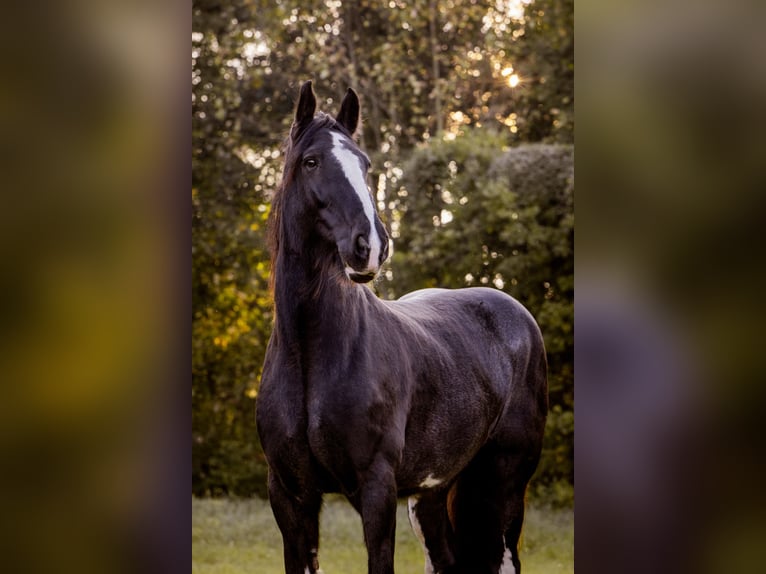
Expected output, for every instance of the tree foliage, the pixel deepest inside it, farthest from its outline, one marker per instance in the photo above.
(449, 89)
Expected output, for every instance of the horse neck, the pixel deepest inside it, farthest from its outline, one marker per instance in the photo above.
(311, 293)
(317, 317)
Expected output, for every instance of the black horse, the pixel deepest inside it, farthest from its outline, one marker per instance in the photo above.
(440, 396)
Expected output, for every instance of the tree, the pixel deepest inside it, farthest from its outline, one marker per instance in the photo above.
(230, 301)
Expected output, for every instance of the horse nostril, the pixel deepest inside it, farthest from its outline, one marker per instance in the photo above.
(362, 247)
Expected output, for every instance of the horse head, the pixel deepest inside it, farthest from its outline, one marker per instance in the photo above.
(331, 170)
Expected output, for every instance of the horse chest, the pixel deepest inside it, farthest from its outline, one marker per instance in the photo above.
(349, 422)
(336, 410)
(281, 414)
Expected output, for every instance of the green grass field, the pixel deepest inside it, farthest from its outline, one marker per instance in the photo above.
(241, 536)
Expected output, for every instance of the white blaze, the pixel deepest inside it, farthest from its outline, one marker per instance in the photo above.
(349, 162)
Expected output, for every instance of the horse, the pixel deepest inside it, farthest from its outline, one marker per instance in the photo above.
(439, 396)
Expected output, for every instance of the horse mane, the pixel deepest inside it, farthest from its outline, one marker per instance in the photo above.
(292, 150)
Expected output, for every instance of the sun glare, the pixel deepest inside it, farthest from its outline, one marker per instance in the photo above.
(516, 8)
(513, 79)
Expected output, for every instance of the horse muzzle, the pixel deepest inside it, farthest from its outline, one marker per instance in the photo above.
(362, 261)
(360, 277)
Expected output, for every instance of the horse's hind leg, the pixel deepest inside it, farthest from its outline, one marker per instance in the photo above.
(519, 438)
(430, 522)
(489, 510)
(477, 510)
(511, 563)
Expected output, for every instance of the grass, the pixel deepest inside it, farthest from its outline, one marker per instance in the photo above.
(238, 536)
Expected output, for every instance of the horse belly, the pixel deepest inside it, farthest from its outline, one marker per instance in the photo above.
(438, 445)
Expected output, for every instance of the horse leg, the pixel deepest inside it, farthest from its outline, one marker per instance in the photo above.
(519, 453)
(376, 503)
(489, 509)
(511, 563)
(298, 520)
(430, 522)
(478, 517)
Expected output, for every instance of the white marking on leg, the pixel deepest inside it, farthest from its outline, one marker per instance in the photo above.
(349, 162)
(314, 552)
(430, 482)
(507, 566)
(416, 528)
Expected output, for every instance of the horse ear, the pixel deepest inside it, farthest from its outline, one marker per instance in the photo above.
(304, 113)
(348, 116)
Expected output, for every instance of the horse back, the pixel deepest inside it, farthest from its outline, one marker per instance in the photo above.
(489, 321)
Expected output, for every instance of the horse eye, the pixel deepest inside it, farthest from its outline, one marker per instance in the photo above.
(310, 163)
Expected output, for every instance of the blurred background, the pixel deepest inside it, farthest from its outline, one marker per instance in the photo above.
(93, 417)
(670, 279)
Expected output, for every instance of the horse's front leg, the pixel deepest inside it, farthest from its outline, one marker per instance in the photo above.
(298, 520)
(376, 502)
